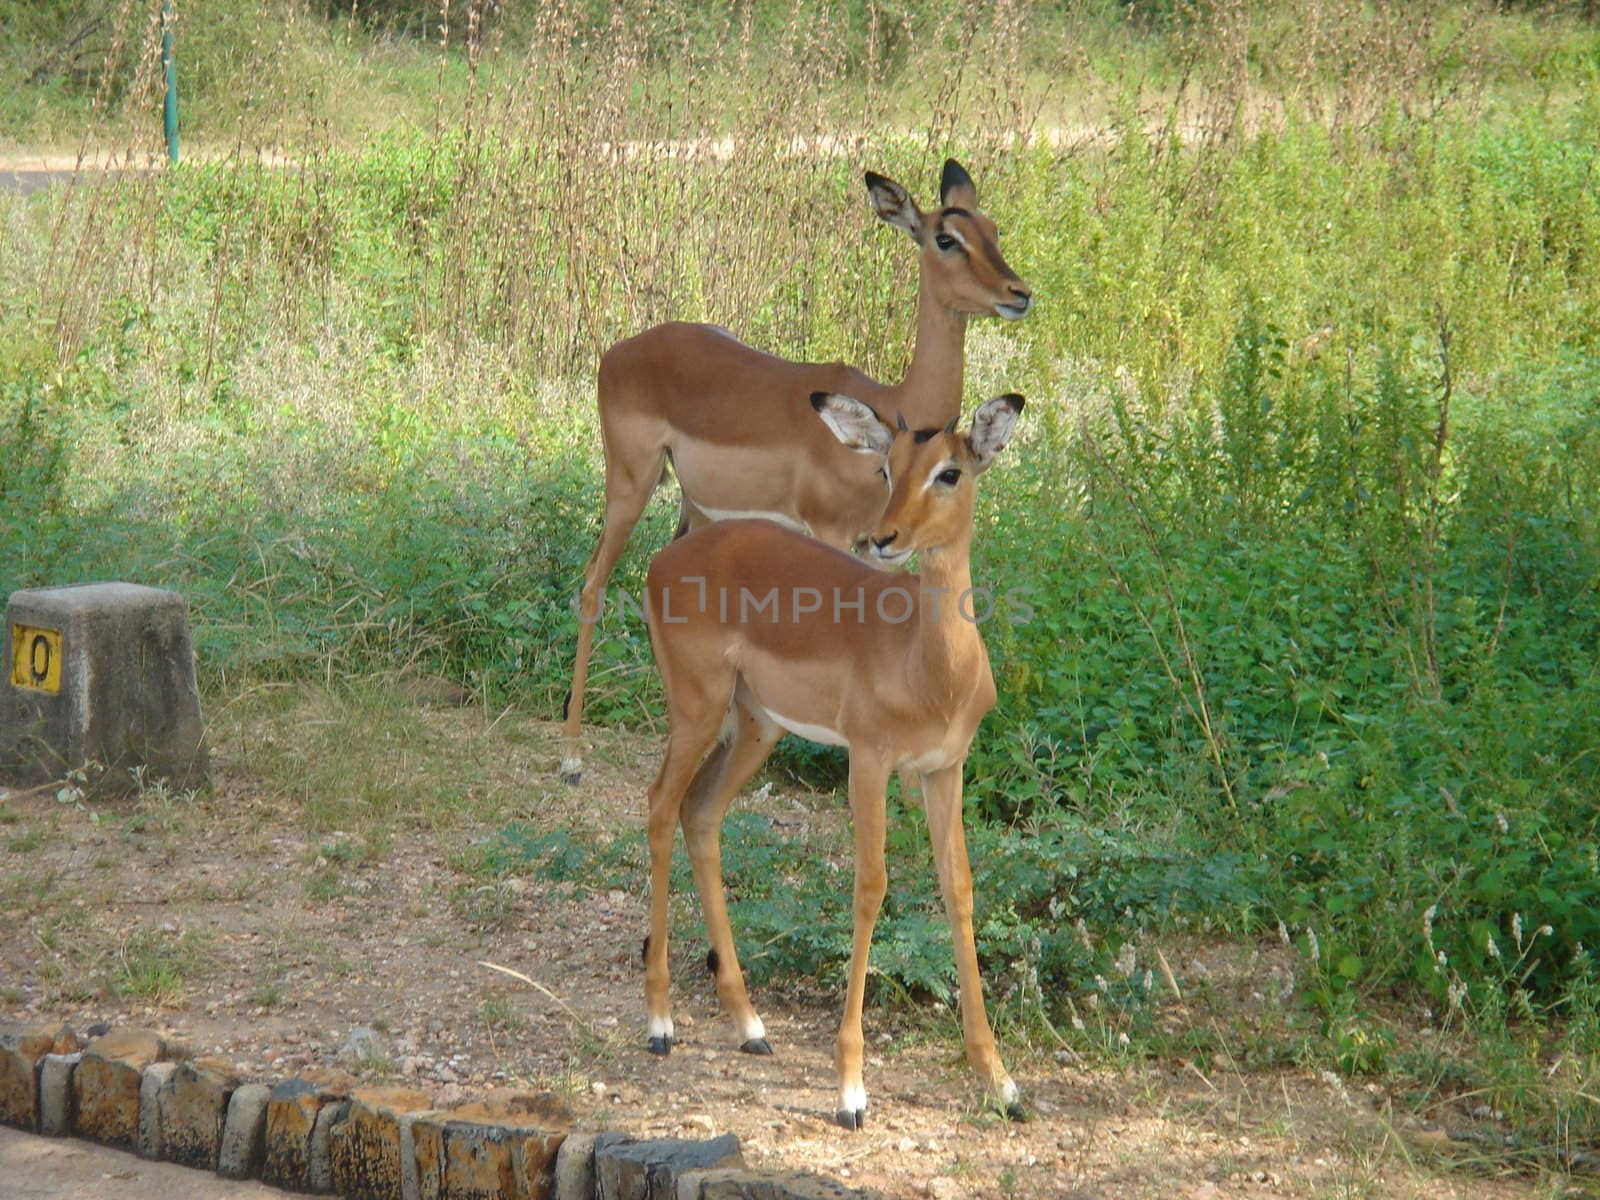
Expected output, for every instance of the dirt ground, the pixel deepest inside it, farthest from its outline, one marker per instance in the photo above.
(36, 1168)
(246, 925)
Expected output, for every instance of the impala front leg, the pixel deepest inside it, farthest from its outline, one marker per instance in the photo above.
(868, 780)
(941, 792)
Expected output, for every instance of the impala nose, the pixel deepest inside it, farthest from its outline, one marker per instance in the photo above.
(883, 543)
(1018, 305)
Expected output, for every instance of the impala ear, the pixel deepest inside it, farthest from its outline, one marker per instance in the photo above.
(853, 423)
(991, 428)
(895, 205)
(956, 189)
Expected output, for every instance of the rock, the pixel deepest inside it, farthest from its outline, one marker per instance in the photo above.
(502, 1146)
(533, 1162)
(411, 1171)
(106, 1086)
(799, 1186)
(244, 1132)
(152, 1138)
(22, 1049)
(649, 1170)
(745, 1185)
(941, 1187)
(362, 1043)
(319, 1164)
(193, 1105)
(693, 1185)
(365, 1146)
(293, 1110)
(575, 1167)
(56, 1093)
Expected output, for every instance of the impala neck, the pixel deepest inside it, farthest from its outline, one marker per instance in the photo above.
(931, 392)
(950, 640)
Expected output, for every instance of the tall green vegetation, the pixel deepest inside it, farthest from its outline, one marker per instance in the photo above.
(1306, 498)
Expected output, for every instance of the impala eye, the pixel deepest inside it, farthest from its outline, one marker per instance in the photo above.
(945, 242)
(950, 476)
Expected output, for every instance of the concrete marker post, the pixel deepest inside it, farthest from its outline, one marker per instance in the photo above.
(100, 675)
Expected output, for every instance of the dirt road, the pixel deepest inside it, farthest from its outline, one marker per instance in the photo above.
(41, 1168)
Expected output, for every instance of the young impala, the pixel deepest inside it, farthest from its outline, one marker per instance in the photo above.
(760, 631)
(735, 422)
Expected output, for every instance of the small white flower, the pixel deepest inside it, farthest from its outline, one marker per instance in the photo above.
(1489, 944)
(1127, 960)
(1311, 941)
(1457, 992)
(1516, 928)
(1427, 921)
(1122, 1039)
(1149, 979)
(1283, 933)
(1077, 1021)
(1543, 931)
(1100, 983)
(1500, 820)
(1444, 960)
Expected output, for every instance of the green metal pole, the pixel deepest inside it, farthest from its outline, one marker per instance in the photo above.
(169, 106)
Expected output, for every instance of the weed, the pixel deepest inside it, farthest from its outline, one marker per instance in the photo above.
(498, 1013)
(267, 995)
(154, 965)
(25, 843)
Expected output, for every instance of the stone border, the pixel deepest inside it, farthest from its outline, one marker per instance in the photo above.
(321, 1132)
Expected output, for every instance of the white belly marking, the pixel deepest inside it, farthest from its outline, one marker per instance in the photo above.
(812, 733)
(755, 514)
(934, 760)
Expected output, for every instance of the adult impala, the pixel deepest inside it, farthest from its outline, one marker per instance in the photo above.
(760, 631)
(736, 424)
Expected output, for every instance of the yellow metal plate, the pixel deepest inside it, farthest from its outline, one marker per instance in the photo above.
(36, 658)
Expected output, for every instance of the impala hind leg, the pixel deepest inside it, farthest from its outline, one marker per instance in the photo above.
(868, 781)
(941, 792)
(719, 780)
(629, 483)
(693, 733)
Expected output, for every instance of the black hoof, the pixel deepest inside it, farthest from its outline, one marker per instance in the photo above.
(572, 778)
(756, 1046)
(661, 1046)
(1015, 1112)
(851, 1120)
